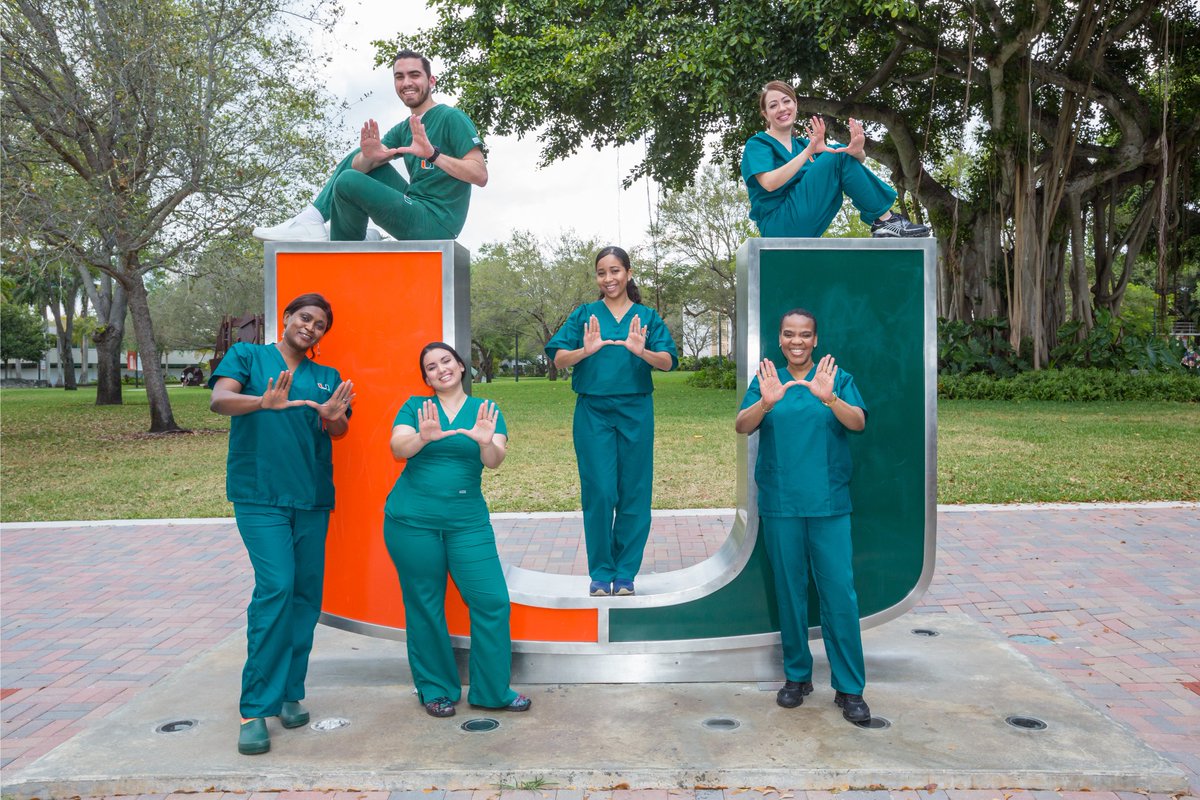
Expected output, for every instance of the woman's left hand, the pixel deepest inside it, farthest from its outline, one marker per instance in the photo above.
(635, 342)
(338, 403)
(485, 424)
(821, 384)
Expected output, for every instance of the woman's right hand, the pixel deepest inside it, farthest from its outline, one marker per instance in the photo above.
(591, 336)
(429, 426)
(276, 395)
(769, 386)
(814, 131)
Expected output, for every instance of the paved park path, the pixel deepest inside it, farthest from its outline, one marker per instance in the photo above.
(1106, 598)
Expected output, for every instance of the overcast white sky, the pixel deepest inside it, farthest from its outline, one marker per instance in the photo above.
(583, 193)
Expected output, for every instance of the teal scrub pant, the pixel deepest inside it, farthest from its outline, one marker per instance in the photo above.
(614, 446)
(422, 557)
(287, 551)
(792, 544)
(814, 200)
(350, 197)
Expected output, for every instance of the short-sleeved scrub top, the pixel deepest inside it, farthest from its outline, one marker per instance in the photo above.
(446, 197)
(763, 153)
(613, 370)
(280, 457)
(441, 485)
(804, 466)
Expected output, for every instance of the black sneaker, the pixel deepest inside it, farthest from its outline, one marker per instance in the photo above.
(897, 226)
(854, 708)
(793, 693)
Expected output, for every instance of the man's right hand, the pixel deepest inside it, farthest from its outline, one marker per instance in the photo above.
(372, 153)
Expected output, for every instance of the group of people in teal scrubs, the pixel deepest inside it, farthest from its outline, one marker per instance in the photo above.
(286, 408)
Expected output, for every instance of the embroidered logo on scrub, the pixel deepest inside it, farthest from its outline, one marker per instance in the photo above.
(323, 387)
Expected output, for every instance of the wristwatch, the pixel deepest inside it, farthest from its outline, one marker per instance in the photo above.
(436, 152)
(832, 402)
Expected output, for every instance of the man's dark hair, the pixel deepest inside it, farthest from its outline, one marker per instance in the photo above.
(414, 54)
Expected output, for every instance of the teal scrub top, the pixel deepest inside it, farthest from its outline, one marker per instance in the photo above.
(613, 370)
(441, 485)
(804, 465)
(763, 153)
(445, 196)
(279, 457)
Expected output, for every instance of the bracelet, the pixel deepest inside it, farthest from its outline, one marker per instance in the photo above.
(832, 402)
(765, 410)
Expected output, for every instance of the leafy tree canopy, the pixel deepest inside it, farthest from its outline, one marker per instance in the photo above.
(22, 333)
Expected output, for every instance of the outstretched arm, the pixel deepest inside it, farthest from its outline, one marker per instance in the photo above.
(471, 168)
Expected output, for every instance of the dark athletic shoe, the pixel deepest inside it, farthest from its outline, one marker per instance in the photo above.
(622, 588)
(793, 693)
(854, 708)
(897, 226)
(600, 589)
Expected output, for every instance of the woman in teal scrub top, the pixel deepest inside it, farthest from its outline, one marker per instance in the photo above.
(796, 184)
(436, 522)
(286, 408)
(803, 476)
(613, 344)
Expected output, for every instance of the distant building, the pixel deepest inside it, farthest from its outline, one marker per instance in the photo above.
(48, 373)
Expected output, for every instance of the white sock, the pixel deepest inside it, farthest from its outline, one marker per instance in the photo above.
(309, 214)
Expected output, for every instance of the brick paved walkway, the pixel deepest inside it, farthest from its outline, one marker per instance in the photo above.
(1107, 599)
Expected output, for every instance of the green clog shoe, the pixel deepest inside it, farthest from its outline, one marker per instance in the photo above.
(253, 738)
(292, 714)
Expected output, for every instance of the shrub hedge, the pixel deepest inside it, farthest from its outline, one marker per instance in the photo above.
(1072, 384)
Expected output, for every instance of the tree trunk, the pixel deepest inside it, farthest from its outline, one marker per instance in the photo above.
(1054, 298)
(161, 418)
(110, 303)
(108, 364)
(62, 341)
(972, 265)
(1081, 293)
(1025, 309)
(83, 339)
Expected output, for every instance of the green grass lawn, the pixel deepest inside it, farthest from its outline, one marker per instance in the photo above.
(62, 457)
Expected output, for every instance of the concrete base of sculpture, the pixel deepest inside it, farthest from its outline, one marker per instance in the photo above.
(944, 699)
